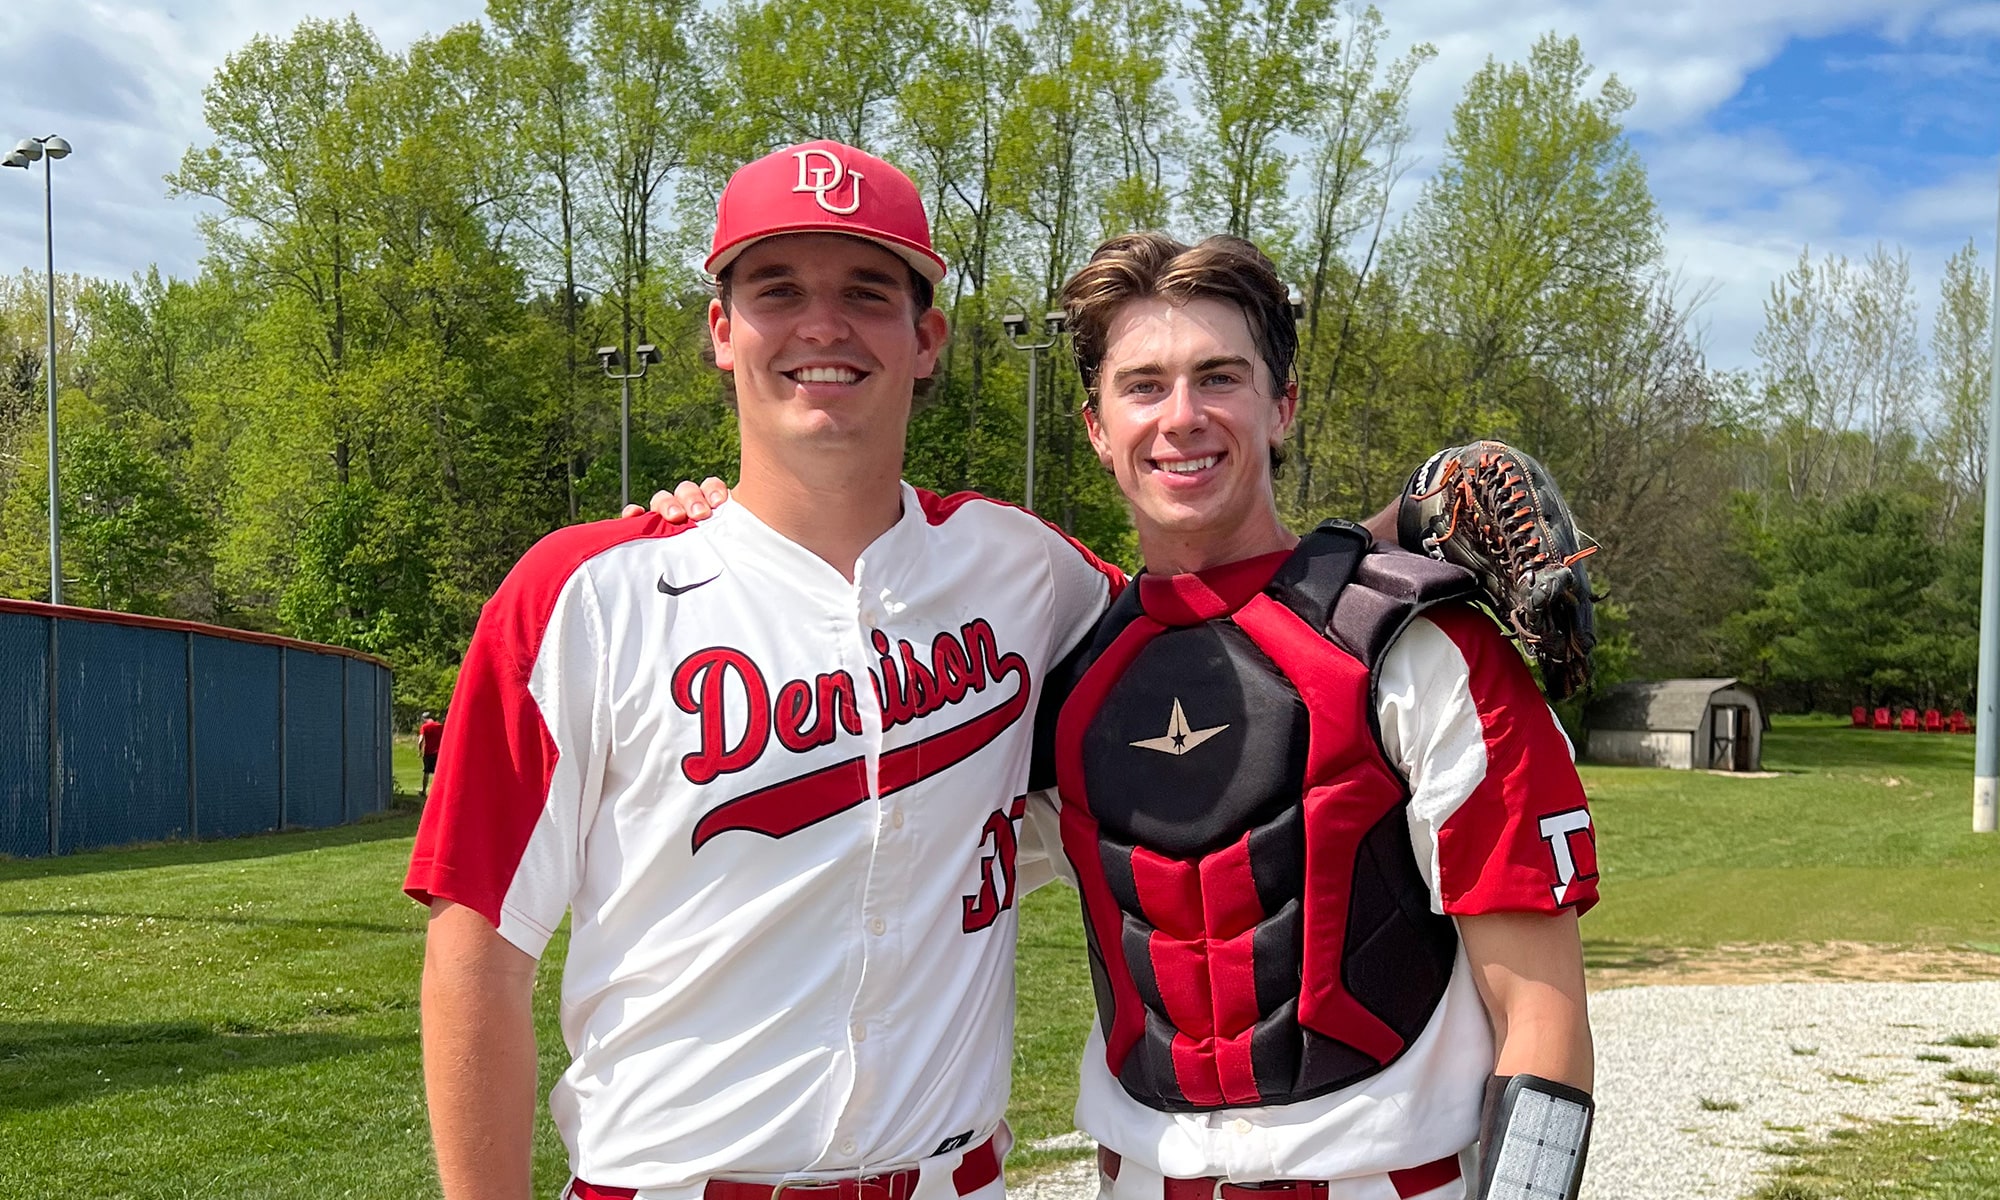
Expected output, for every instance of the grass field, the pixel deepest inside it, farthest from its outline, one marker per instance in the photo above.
(239, 1018)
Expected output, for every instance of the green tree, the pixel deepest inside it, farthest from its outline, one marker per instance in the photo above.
(1258, 70)
(131, 540)
(1538, 224)
(1962, 376)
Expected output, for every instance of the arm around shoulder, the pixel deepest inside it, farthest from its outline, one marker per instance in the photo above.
(479, 1056)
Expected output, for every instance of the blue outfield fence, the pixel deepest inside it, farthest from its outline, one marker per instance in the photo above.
(118, 729)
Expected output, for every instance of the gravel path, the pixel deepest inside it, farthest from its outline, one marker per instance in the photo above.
(1692, 1082)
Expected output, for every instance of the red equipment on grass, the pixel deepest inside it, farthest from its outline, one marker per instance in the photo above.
(1882, 719)
(1908, 724)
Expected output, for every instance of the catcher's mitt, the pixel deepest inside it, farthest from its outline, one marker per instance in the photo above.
(1493, 510)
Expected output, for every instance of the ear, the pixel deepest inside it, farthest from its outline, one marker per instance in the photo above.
(1288, 411)
(718, 336)
(1094, 425)
(932, 331)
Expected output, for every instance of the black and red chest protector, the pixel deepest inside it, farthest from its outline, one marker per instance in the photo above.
(1259, 932)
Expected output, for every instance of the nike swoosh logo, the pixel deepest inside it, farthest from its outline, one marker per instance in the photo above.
(671, 590)
(785, 808)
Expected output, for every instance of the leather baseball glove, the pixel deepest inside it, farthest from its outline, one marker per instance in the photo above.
(1495, 511)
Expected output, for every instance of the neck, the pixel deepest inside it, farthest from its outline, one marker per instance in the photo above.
(832, 503)
(1169, 552)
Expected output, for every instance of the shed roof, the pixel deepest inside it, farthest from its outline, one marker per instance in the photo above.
(1674, 705)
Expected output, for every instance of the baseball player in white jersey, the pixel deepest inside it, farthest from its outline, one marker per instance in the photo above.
(771, 767)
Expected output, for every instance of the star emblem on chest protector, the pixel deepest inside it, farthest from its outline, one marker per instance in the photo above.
(1180, 739)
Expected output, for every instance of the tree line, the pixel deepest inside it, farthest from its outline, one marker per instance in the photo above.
(381, 388)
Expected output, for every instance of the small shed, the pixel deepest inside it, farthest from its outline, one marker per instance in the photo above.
(1683, 724)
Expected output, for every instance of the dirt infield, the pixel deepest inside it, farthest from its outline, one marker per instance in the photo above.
(1822, 962)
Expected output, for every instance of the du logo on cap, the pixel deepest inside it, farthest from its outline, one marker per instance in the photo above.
(828, 173)
(817, 187)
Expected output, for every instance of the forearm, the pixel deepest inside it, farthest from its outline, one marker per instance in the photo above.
(479, 1058)
(1383, 524)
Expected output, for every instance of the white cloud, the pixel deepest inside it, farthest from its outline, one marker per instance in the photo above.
(1968, 20)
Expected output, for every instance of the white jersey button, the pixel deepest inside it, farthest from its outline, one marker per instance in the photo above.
(1239, 1127)
(877, 926)
(896, 818)
(847, 1147)
(858, 1032)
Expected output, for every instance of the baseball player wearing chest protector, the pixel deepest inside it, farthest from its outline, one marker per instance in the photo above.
(772, 767)
(1329, 840)
(1328, 837)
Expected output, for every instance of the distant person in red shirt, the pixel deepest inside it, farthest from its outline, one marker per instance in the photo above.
(431, 735)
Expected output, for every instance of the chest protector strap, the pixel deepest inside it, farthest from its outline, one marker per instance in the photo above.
(1259, 932)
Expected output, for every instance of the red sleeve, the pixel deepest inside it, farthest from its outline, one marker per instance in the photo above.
(1522, 840)
(503, 746)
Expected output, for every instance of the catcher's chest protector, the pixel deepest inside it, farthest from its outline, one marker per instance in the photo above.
(1259, 932)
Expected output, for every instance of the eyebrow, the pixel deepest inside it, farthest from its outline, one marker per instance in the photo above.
(867, 275)
(1205, 365)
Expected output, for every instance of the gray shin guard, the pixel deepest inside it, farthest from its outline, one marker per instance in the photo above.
(1532, 1139)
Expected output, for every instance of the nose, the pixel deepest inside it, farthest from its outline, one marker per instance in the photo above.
(822, 321)
(1181, 410)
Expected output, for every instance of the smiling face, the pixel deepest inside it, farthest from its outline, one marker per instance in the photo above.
(825, 342)
(1187, 415)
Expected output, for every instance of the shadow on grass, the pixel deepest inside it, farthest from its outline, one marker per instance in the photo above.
(375, 828)
(98, 914)
(1626, 956)
(53, 1064)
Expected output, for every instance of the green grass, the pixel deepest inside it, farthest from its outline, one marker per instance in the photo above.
(1894, 1161)
(231, 1018)
(1826, 852)
(239, 1018)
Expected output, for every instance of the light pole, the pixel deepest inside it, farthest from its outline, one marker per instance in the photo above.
(1986, 728)
(611, 359)
(1050, 328)
(50, 149)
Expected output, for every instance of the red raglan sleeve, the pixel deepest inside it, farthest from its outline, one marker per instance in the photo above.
(518, 770)
(1498, 816)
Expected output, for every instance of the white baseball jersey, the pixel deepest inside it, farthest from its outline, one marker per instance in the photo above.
(781, 810)
(1498, 823)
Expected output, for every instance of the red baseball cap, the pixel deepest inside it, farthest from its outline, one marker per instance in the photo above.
(823, 187)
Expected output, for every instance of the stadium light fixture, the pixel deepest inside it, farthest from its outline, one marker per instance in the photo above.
(612, 359)
(1045, 334)
(48, 150)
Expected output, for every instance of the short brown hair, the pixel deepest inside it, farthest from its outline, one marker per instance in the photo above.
(1136, 266)
(921, 291)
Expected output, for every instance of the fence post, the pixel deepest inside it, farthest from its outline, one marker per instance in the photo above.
(345, 814)
(284, 653)
(194, 828)
(55, 737)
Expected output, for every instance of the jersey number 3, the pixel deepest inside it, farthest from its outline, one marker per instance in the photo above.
(995, 895)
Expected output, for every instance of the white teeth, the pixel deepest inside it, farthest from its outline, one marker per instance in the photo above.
(826, 375)
(1188, 466)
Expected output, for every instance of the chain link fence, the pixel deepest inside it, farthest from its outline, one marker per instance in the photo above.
(118, 729)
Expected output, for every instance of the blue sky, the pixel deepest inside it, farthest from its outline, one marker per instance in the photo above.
(1766, 125)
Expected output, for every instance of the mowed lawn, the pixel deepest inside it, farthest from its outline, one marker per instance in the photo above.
(239, 1018)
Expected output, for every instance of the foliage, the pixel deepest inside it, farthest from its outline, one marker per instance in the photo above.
(381, 387)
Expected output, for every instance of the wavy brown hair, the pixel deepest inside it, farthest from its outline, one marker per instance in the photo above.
(1138, 266)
